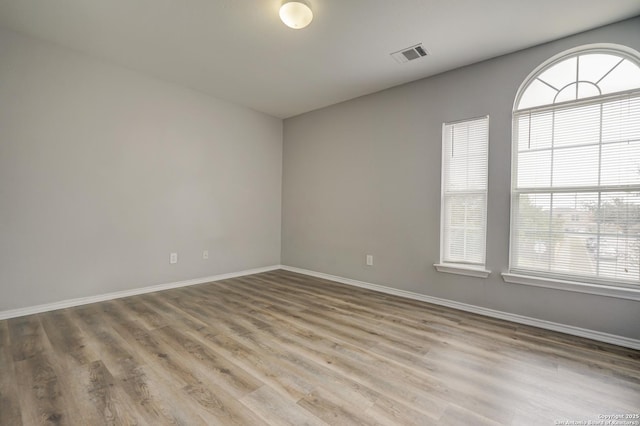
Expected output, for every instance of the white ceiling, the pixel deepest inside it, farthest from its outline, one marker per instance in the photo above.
(238, 50)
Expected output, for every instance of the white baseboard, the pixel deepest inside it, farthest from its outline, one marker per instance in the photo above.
(520, 319)
(12, 313)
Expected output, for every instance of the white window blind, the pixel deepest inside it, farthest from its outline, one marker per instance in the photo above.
(465, 148)
(576, 190)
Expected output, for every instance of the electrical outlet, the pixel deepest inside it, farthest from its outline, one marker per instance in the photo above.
(205, 254)
(369, 260)
(173, 258)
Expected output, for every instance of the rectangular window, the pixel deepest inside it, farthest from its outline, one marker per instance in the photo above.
(576, 191)
(465, 149)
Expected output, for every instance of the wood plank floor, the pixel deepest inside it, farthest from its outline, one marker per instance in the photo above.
(286, 349)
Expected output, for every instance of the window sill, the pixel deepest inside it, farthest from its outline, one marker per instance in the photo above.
(597, 289)
(468, 270)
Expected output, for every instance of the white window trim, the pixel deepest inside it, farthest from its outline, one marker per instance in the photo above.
(574, 286)
(470, 270)
(462, 269)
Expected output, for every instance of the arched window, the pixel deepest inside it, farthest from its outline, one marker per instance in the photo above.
(576, 169)
(585, 74)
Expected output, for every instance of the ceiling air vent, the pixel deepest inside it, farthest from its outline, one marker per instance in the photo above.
(409, 54)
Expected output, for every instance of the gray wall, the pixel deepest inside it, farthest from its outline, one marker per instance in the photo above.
(104, 172)
(364, 177)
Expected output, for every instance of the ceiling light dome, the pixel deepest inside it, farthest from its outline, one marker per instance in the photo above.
(296, 14)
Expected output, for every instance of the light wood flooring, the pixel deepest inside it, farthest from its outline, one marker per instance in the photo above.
(286, 349)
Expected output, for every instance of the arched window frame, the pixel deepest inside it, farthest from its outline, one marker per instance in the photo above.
(623, 52)
(616, 287)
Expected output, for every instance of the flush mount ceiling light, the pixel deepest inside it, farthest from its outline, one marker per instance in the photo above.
(296, 14)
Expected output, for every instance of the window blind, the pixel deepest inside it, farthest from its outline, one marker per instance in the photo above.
(576, 190)
(464, 191)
